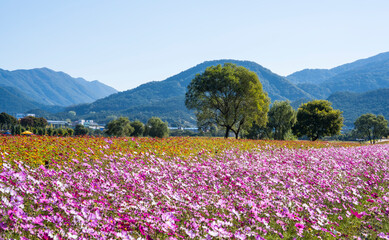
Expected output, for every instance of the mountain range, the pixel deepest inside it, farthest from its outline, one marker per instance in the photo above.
(343, 85)
(48, 87)
(165, 99)
(359, 76)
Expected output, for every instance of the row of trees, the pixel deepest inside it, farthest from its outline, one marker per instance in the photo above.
(122, 127)
(18, 129)
(232, 97)
(314, 119)
(7, 121)
(371, 127)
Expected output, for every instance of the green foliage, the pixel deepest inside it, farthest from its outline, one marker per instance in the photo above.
(139, 128)
(228, 96)
(72, 113)
(16, 129)
(31, 121)
(27, 121)
(317, 119)
(97, 133)
(282, 118)
(61, 132)
(7, 121)
(155, 127)
(258, 132)
(120, 127)
(371, 126)
(40, 122)
(42, 131)
(70, 132)
(80, 130)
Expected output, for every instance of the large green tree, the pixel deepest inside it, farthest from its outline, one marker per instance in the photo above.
(282, 117)
(155, 127)
(229, 96)
(120, 127)
(317, 119)
(371, 126)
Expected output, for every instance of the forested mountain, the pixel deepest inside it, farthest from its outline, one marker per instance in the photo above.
(359, 76)
(48, 87)
(354, 105)
(13, 101)
(311, 76)
(167, 97)
(23, 90)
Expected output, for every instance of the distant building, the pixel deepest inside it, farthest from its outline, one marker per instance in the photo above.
(193, 129)
(89, 124)
(22, 115)
(57, 124)
(79, 122)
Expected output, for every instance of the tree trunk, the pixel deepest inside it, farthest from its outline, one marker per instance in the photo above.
(227, 132)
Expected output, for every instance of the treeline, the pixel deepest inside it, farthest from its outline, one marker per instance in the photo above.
(232, 98)
(315, 120)
(64, 132)
(123, 127)
(120, 127)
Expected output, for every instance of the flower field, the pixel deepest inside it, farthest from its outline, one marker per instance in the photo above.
(191, 188)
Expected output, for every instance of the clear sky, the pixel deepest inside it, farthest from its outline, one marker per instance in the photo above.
(124, 43)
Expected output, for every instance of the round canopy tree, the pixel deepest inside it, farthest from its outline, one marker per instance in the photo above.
(371, 126)
(228, 96)
(120, 127)
(155, 127)
(317, 119)
(282, 118)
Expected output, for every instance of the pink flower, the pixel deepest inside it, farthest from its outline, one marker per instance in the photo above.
(299, 226)
(355, 213)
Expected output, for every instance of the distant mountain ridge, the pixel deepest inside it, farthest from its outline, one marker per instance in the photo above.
(13, 101)
(44, 88)
(153, 94)
(362, 75)
(49, 87)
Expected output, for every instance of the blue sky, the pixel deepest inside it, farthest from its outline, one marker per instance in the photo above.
(125, 43)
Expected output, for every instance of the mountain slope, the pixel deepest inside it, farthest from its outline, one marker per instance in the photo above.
(370, 76)
(311, 76)
(54, 88)
(151, 93)
(354, 105)
(359, 76)
(14, 101)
